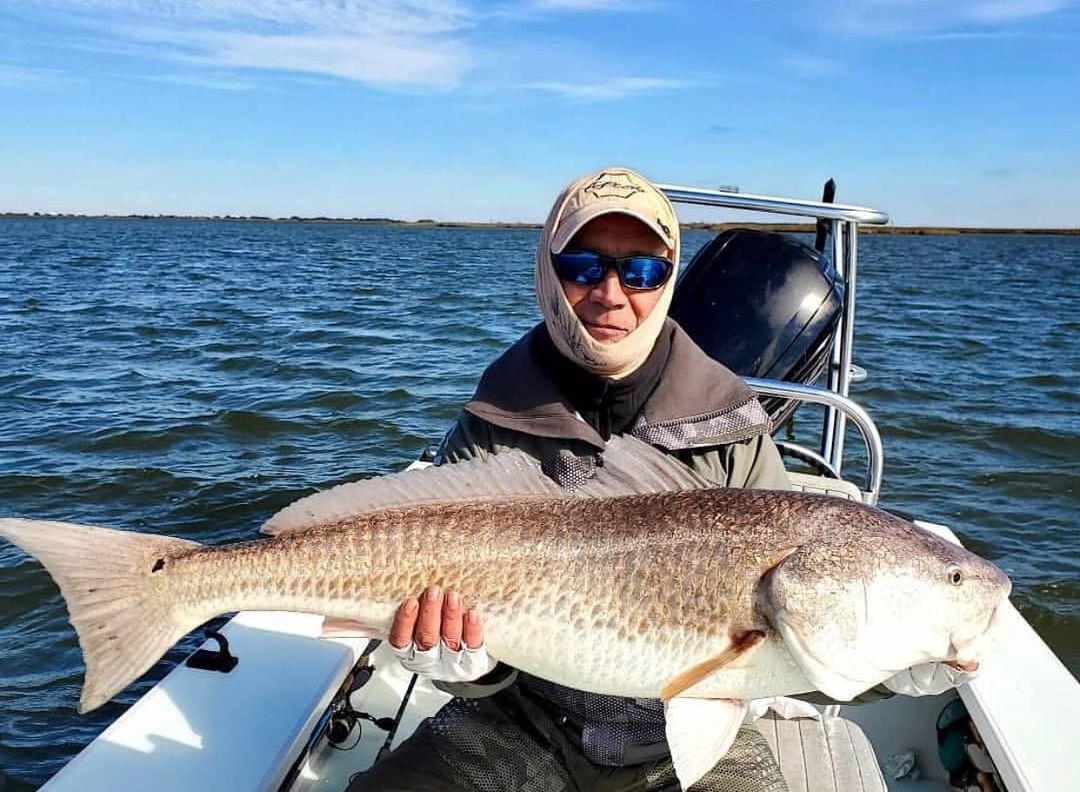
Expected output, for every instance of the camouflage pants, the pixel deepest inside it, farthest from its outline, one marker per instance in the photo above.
(511, 743)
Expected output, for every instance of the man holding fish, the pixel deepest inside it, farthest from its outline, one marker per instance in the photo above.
(606, 361)
(643, 605)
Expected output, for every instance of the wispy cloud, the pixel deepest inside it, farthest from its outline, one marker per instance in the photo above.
(406, 43)
(999, 35)
(971, 35)
(367, 57)
(391, 16)
(885, 17)
(610, 89)
(592, 5)
(811, 66)
(1004, 10)
(518, 11)
(204, 81)
(17, 76)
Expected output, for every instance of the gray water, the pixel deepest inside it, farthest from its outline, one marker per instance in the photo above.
(192, 377)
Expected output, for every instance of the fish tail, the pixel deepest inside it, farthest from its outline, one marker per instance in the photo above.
(107, 579)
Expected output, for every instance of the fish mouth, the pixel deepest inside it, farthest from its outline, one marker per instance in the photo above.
(969, 667)
(965, 649)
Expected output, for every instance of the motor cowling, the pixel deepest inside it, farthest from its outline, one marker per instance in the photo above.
(765, 305)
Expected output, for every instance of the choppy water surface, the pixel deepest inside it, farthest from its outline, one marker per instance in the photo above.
(192, 377)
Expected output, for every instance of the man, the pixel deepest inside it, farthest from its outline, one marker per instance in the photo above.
(605, 361)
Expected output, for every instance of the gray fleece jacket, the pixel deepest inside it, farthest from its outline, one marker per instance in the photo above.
(699, 411)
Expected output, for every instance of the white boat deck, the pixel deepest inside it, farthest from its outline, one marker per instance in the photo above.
(205, 730)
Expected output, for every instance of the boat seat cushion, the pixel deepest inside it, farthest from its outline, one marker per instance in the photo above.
(831, 754)
(805, 482)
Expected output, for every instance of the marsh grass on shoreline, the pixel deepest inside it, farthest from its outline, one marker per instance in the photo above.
(791, 228)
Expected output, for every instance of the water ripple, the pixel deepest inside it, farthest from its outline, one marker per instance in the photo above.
(192, 378)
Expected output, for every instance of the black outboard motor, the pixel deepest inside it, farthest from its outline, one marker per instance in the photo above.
(765, 305)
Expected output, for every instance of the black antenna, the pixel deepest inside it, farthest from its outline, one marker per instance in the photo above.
(827, 196)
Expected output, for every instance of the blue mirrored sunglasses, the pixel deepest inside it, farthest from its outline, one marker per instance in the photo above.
(588, 268)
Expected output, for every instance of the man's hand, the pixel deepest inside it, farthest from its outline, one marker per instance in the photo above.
(436, 636)
(423, 621)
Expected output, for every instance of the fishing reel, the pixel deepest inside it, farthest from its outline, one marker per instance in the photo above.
(343, 717)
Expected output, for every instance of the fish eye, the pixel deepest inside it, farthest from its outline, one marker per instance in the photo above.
(956, 577)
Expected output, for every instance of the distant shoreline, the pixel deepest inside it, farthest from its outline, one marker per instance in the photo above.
(387, 221)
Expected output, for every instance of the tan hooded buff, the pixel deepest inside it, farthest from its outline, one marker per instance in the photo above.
(612, 190)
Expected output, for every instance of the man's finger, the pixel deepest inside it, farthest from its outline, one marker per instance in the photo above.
(401, 631)
(428, 622)
(473, 629)
(451, 620)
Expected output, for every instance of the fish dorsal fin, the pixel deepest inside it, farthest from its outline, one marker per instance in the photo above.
(627, 466)
(497, 476)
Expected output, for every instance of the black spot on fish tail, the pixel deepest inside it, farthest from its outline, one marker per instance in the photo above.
(158, 565)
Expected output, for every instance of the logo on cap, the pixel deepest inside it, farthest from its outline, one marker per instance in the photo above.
(613, 185)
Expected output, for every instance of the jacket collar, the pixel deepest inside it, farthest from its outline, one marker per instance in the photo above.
(697, 402)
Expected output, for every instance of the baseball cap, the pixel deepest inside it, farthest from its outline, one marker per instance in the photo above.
(616, 191)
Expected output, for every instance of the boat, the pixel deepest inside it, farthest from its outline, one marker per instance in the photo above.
(273, 702)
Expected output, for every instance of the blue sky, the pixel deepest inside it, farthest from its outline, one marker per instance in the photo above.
(964, 112)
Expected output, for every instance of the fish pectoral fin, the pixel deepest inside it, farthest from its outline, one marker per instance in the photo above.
(334, 627)
(699, 733)
(685, 680)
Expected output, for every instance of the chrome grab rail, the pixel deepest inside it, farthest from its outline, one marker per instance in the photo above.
(843, 223)
(875, 452)
(804, 454)
(845, 237)
(767, 203)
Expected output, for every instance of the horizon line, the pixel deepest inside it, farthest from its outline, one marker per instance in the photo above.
(807, 227)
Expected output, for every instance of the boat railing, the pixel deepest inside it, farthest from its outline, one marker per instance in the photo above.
(875, 452)
(774, 205)
(843, 223)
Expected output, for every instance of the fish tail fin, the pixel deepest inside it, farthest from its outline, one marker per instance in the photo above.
(107, 579)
